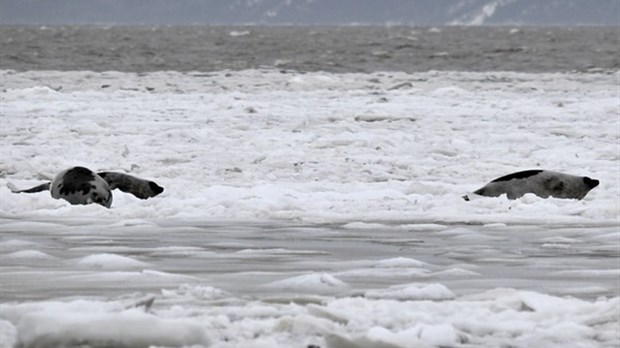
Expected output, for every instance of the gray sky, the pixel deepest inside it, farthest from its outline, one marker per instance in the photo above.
(339, 12)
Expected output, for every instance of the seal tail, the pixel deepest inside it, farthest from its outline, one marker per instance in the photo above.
(42, 187)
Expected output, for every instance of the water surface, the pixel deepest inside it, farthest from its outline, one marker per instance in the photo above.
(332, 49)
(246, 259)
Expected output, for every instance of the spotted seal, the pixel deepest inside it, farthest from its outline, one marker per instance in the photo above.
(543, 183)
(79, 185)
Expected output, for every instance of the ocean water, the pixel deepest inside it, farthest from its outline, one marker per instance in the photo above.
(313, 181)
(332, 49)
(65, 258)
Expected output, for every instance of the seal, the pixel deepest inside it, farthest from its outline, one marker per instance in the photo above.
(79, 185)
(542, 183)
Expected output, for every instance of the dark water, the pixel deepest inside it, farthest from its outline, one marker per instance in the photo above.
(333, 49)
(245, 258)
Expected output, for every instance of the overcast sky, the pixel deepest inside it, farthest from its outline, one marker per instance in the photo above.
(339, 12)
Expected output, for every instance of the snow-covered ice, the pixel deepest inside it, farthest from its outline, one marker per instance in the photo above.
(310, 210)
(313, 147)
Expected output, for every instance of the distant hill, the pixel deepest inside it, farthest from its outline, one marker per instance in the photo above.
(319, 12)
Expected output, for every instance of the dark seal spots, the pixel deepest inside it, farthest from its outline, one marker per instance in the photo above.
(542, 183)
(77, 179)
(79, 185)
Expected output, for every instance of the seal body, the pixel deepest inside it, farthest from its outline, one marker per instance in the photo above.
(79, 185)
(543, 183)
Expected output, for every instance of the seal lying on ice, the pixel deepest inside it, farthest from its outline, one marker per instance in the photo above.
(543, 183)
(79, 185)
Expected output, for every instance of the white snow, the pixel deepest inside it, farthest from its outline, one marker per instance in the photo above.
(400, 262)
(127, 328)
(493, 318)
(480, 17)
(308, 151)
(111, 261)
(310, 209)
(413, 292)
(314, 283)
(28, 254)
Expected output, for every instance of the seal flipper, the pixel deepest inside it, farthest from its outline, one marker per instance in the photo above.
(42, 187)
(140, 188)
